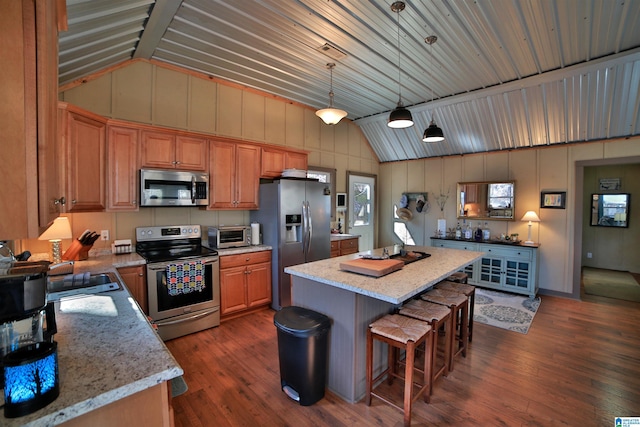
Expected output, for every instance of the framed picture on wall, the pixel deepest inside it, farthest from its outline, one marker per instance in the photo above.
(553, 199)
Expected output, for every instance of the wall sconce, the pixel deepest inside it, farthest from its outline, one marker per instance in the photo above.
(60, 229)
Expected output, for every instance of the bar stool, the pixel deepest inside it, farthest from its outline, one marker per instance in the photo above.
(469, 291)
(400, 332)
(459, 306)
(458, 277)
(437, 316)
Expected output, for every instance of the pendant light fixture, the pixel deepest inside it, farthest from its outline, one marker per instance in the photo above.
(330, 115)
(433, 133)
(400, 117)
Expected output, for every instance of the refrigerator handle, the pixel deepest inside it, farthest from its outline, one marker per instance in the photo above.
(305, 226)
(309, 228)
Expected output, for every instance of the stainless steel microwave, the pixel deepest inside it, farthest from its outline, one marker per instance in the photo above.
(231, 236)
(173, 188)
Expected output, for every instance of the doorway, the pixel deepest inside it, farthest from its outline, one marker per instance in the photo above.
(361, 208)
(581, 219)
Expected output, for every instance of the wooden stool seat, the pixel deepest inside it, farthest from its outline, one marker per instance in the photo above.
(459, 305)
(458, 277)
(438, 316)
(400, 332)
(469, 291)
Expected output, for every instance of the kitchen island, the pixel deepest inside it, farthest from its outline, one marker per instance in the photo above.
(353, 301)
(114, 369)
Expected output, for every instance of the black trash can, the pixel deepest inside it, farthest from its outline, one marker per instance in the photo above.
(302, 347)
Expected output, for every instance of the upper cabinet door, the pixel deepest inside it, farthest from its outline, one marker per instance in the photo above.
(168, 150)
(247, 176)
(85, 151)
(191, 153)
(235, 175)
(122, 164)
(157, 150)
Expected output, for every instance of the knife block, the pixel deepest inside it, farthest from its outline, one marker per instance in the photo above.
(77, 252)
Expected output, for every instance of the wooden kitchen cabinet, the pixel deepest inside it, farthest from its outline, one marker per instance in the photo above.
(234, 175)
(344, 246)
(82, 137)
(170, 150)
(122, 167)
(275, 160)
(135, 277)
(245, 283)
(28, 117)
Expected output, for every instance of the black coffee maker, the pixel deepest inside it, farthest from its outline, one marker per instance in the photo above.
(28, 353)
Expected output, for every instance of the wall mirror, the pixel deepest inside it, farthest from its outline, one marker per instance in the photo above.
(610, 210)
(486, 200)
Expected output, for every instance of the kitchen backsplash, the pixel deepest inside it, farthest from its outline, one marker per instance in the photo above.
(123, 225)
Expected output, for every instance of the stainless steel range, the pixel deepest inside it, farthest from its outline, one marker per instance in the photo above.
(182, 279)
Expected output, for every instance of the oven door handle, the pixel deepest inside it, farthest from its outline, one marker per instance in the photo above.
(186, 319)
(157, 266)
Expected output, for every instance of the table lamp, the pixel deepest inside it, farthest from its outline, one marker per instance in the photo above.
(531, 217)
(60, 229)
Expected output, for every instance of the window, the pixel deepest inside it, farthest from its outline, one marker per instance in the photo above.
(400, 229)
(327, 176)
(500, 196)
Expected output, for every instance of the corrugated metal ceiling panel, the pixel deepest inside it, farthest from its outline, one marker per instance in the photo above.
(478, 72)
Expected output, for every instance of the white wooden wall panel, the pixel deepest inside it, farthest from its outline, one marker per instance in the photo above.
(132, 92)
(253, 116)
(230, 114)
(170, 98)
(274, 122)
(202, 105)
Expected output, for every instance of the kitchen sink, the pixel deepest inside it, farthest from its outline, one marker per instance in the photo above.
(409, 256)
(82, 280)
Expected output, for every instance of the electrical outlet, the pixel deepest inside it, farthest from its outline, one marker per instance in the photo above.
(589, 255)
(104, 235)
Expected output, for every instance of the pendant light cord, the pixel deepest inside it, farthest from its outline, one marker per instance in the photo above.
(399, 69)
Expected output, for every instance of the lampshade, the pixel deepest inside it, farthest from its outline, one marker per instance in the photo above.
(433, 133)
(60, 229)
(330, 115)
(400, 118)
(31, 379)
(530, 216)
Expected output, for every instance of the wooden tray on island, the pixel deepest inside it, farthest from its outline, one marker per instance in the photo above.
(372, 267)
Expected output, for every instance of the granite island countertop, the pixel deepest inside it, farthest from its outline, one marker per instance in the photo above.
(395, 287)
(107, 350)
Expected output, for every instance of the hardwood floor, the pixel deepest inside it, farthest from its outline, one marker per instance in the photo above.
(579, 365)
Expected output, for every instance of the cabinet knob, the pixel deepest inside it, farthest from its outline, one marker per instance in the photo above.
(61, 201)
(134, 202)
(74, 201)
(140, 274)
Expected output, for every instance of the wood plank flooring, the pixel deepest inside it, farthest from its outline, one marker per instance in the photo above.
(579, 365)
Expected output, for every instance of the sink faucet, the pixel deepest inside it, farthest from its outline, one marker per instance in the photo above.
(385, 253)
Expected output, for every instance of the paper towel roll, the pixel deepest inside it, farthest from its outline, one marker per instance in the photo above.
(255, 233)
(442, 227)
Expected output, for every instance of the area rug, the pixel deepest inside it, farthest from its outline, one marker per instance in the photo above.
(504, 310)
(610, 283)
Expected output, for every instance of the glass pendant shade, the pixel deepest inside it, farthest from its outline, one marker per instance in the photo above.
(400, 118)
(433, 133)
(330, 115)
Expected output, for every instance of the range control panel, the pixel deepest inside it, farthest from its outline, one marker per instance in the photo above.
(171, 232)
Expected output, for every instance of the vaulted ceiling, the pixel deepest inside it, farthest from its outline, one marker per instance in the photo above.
(504, 74)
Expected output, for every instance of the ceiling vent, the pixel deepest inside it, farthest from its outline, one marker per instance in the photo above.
(331, 51)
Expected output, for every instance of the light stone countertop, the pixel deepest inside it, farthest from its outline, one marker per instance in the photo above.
(395, 287)
(243, 250)
(107, 350)
(335, 236)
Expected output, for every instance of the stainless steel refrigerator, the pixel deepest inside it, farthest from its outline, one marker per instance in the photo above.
(294, 215)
